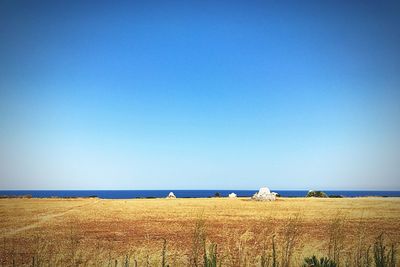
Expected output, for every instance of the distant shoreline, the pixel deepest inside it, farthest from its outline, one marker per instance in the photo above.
(151, 194)
(150, 198)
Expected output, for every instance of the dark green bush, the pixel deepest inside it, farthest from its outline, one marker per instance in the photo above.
(384, 256)
(322, 262)
(316, 194)
(210, 256)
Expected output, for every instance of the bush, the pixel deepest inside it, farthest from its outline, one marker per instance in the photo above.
(384, 256)
(323, 262)
(335, 196)
(210, 257)
(316, 194)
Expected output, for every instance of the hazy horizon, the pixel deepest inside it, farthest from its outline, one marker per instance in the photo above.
(209, 189)
(97, 95)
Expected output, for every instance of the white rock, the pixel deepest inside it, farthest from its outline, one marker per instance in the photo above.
(232, 195)
(171, 195)
(264, 194)
(264, 190)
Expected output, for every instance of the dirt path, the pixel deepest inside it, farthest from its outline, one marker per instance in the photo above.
(46, 218)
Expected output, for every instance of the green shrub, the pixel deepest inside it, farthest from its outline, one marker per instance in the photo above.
(384, 256)
(322, 262)
(210, 256)
(335, 196)
(316, 194)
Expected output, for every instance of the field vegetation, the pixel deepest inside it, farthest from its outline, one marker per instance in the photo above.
(200, 232)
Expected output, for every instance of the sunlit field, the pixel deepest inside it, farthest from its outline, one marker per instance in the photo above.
(196, 232)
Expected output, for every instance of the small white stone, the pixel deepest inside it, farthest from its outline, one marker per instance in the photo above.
(171, 195)
(232, 195)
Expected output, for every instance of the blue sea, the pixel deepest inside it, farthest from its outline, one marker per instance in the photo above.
(125, 194)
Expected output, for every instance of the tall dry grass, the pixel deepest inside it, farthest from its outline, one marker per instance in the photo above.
(336, 238)
(229, 233)
(278, 251)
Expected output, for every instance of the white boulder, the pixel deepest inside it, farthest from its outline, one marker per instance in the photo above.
(264, 191)
(264, 194)
(171, 195)
(232, 195)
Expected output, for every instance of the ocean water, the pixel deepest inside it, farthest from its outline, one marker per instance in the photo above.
(124, 194)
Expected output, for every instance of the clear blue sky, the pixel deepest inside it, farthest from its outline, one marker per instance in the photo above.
(199, 95)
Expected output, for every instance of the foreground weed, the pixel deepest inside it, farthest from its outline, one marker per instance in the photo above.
(336, 238)
(210, 256)
(322, 262)
(198, 243)
(164, 254)
(384, 256)
(291, 234)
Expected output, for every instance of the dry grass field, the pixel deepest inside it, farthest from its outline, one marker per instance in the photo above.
(148, 232)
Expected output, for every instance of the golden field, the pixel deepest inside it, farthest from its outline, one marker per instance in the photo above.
(101, 232)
